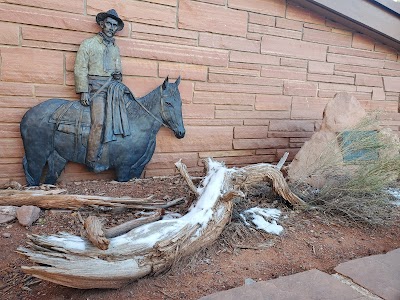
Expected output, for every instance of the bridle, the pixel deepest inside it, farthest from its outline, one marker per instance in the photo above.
(150, 113)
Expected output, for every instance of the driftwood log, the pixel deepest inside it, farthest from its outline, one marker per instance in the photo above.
(55, 199)
(151, 248)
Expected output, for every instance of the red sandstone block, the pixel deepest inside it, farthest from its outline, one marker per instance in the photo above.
(11, 147)
(32, 65)
(385, 49)
(293, 62)
(208, 17)
(308, 108)
(266, 151)
(356, 52)
(224, 154)
(167, 160)
(173, 53)
(369, 80)
(137, 11)
(139, 67)
(317, 26)
(250, 132)
(266, 7)
(336, 87)
(9, 34)
(189, 72)
(238, 88)
(197, 138)
(392, 65)
(198, 111)
(12, 114)
(354, 60)
(15, 170)
(141, 86)
(324, 37)
(291, 125)
(228, 42)
(227, 78)
(293, 48)
(9, 131)
(260, 143)
(284, 72)
(391, 84)
(299, 88)
(218, 2)
(54, 35)
(74, 6)
(234, 107)
(255, 122)
(163, 39)
(16, 89)
(254, 36)
(234, 71)
(330, 78)
(53, 91)
(378, 94)
(223, 98)
(273, 102)
(288, 134)
(46, 18)
(247, 66)
(387, 106)
(261, 19)
(289, 24)
(320, 67)
(296, 12)
(214, 122)
(362, 41)
(18, 102)
(388, 72)
(165, 31)
(274, 31)
(253, 58)
(49, 45)
(219, 114)
(356, 69)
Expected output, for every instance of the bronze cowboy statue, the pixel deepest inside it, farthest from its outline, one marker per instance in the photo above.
(109, 128)
(97, 63)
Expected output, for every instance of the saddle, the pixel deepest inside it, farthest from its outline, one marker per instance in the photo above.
(74, 119)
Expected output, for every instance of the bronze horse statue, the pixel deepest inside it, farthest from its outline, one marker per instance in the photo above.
(56, 131)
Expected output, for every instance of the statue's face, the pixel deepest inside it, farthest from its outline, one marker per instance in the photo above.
(109, 26)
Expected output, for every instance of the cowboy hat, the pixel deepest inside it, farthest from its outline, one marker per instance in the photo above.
(112, 14)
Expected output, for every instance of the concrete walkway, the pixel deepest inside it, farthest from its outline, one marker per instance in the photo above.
(372, 277)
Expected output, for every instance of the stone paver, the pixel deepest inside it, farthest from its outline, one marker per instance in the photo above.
(310, 285)
(380, 274)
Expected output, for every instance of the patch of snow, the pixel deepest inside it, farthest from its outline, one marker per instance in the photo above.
(395, 193)
(264, 219)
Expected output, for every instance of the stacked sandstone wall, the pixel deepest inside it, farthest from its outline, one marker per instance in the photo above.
(256, 74)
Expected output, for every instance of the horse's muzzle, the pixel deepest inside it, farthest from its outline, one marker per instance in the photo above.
(180, 133)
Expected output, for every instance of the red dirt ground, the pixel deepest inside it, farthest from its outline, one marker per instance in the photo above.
(310, 240)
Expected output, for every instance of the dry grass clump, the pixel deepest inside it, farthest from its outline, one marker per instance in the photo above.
(358, 169)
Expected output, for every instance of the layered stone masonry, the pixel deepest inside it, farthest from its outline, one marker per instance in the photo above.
(256, 74)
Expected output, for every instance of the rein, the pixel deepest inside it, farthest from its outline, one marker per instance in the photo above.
(149, 112)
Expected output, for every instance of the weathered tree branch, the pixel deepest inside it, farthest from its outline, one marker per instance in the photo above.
(151, 248)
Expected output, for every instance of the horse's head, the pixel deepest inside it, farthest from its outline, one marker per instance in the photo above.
(171, 107)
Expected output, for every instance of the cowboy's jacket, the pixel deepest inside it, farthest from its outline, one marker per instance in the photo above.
(94, 57)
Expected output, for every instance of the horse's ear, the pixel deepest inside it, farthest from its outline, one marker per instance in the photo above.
(164, 85)
(178, 81)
